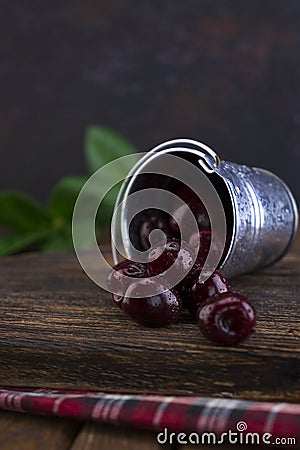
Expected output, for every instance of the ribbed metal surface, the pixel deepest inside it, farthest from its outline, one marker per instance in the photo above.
(265, 218)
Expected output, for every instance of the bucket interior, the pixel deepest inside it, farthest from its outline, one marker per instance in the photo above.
(151, 179)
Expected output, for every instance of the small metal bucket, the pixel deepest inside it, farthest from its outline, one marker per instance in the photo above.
(261, 212)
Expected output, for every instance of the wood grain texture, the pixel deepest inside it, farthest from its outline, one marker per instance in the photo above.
(58, 329)
(26, 432)
(94, 436)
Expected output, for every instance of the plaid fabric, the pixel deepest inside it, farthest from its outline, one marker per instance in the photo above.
(177, 414)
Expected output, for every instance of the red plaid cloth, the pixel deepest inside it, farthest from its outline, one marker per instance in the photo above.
(177, 414)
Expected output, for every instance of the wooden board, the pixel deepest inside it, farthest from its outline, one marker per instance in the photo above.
(28, 432)
(31, 432)
(95, 436)
(58, 329)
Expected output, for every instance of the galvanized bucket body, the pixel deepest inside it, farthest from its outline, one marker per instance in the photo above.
(262, 210)
(265, 218)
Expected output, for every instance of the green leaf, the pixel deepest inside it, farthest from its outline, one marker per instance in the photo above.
(63, 197)
(10, 245)
(20, 212)
(107, 206)
(103, 145)
(60, 239)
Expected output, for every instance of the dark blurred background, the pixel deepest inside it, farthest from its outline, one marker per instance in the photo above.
(223, 71)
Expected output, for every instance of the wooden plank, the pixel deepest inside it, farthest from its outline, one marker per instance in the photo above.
(58, 329)
(95, 436)
(27, 432)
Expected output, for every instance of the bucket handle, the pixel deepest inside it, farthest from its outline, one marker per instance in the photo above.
(192, 144)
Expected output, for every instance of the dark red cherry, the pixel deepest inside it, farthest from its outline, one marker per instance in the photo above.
(226, 319)
(196, 206)
(117, 284)
(184, 286)
(200, 292)
(156, 220)
(173, 252)
(203, 239)
(181, 256)
(157, 310)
